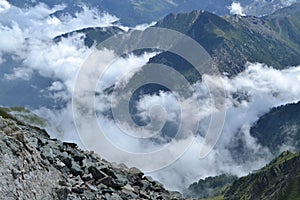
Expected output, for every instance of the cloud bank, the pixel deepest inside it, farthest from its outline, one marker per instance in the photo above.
(251, 94)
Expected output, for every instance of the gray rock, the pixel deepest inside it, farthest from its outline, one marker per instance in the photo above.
(33, 166)
(76, 169)
(78, 190)
(62, 193)
(87, 177)
(115, 196)
(97, 174)
(144, 195)
(92, 188)
(136, 172)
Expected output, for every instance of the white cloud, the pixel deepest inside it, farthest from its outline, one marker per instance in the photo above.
(265, 88)
(236, 9)
(288, 2)
(56, 86)
(123, 66)
(166, 100)
(19, 73)
(27, 35)
(12, 38)
(4, 6)
(2, 60)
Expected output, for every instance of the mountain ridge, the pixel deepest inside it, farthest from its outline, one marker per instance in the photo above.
(133, 12)
(233, 41)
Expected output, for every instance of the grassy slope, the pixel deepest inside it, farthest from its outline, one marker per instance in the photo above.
(278, 180)
(232, 41)
(21, 114)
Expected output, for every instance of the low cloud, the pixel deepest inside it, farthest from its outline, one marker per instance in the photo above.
(250, 94)
(236, 9)
(19, 73)
(288, 2)
(4, 6)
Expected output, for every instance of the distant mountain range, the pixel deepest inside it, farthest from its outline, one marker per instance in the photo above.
(232, 40)
(132, 12)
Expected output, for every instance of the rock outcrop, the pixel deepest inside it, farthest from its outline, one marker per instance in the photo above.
(34, 166)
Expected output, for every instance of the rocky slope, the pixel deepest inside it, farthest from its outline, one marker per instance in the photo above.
(33, 166)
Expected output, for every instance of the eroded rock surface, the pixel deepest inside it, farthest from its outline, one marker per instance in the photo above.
(33, 166)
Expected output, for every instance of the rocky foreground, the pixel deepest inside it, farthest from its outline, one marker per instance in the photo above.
(33, 166)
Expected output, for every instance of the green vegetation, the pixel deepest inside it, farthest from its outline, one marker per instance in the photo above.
(278, 128)
(292, 192)
(21, 114)
(210, 188)
(278, 180)
(232, 41)
(6, 115)
(215, 198)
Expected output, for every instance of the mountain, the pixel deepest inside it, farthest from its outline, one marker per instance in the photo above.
(266, 7)
(233, 41)
(279, 128)
(209, 187)
(34, 166)
(279, 180)
(285, 22)
(133, 12)
(93, 35)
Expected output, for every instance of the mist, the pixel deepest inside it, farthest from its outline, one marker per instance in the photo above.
(250, 95)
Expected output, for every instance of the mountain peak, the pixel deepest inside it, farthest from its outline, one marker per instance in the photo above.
(232, 41)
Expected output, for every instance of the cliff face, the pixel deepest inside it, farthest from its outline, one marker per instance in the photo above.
(33, 166)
